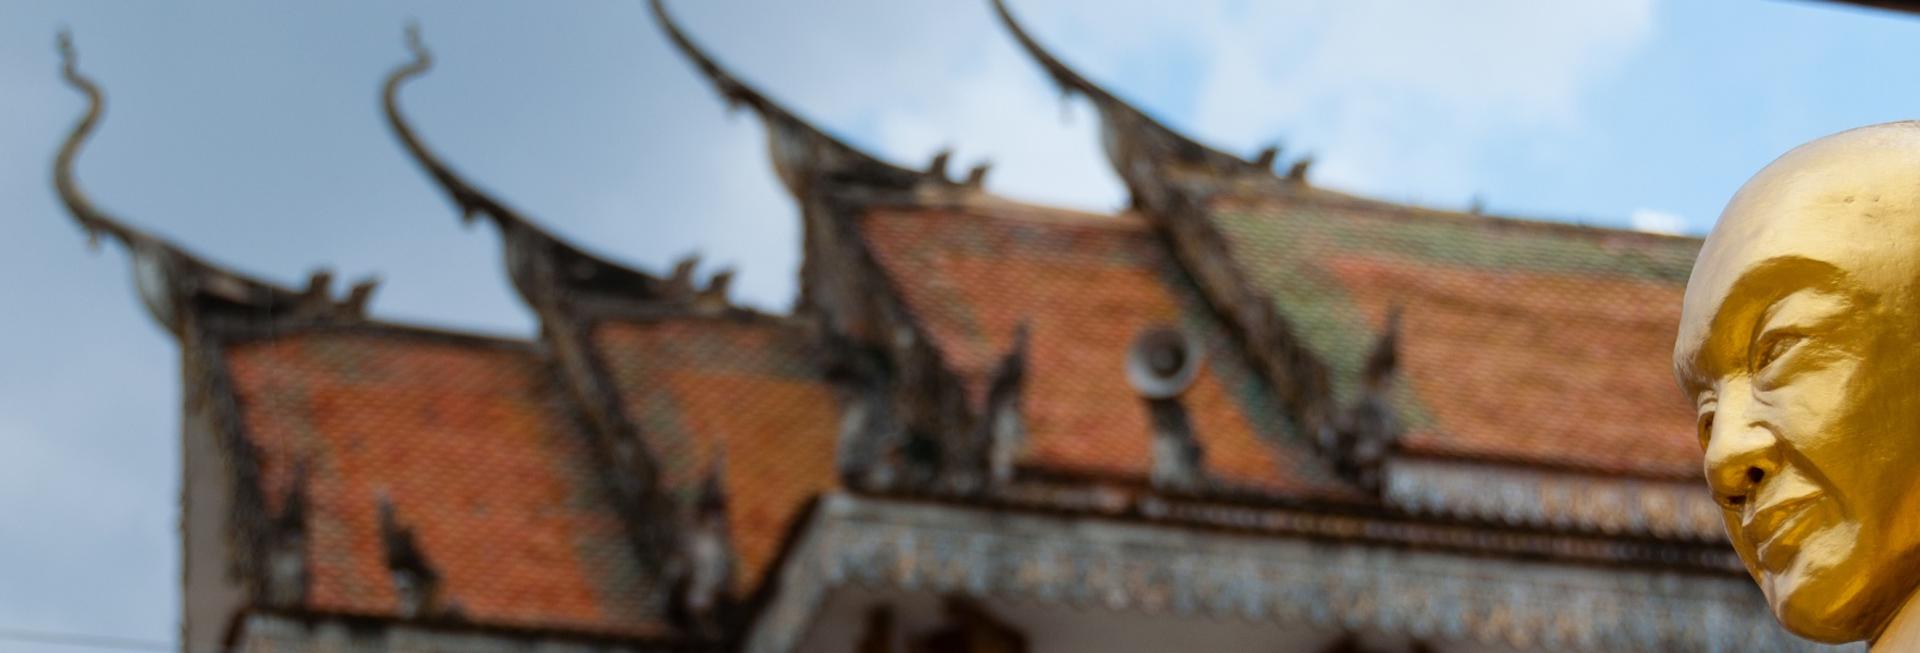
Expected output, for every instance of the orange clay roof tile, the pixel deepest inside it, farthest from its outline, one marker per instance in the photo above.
(480, 456)
(696, 388)
(1523, 342)
(476, 451)
(1086, 287)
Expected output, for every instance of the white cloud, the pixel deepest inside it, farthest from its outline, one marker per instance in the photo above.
(1402, 97)
(941, 75)
(1396, 98)
(1659, 222)
(1004, 114)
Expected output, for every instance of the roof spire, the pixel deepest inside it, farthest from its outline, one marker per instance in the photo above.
(544, 268)
(802, 153)
(1137, 145)
(171, 281)
(469, 199)
(93, 220)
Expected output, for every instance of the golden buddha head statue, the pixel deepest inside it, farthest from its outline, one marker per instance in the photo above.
(1799, 345)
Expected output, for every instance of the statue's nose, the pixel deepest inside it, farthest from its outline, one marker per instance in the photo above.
(1741, 454)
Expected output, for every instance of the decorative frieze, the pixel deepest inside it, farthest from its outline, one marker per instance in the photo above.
(1122, 566)
(274, 633)
(1555, 499)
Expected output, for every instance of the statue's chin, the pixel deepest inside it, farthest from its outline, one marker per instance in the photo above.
(1813, 603)
(1817, 625)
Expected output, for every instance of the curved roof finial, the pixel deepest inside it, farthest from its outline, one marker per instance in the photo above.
(1132, 136)
(171, 281)
(93, 220)
(543, 267)
(469, 199)
(801, 151)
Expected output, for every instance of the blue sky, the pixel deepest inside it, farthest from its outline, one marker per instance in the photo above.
(249, 132)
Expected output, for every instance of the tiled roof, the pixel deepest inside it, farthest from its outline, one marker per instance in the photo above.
(1528, 342)
(1086, 285)
(698, 387)
(476, 450)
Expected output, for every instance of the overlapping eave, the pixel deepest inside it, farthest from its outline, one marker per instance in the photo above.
(268, 369)
(1172, 178)
(812, 163)
(1220, 217)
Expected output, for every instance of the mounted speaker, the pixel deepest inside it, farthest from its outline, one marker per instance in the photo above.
(1163, 362)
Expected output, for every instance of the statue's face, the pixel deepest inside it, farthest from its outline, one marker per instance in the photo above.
(1800, 346)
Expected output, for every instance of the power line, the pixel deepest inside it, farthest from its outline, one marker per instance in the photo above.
(83, 640)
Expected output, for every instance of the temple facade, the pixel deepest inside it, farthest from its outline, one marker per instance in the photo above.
(1246, 413)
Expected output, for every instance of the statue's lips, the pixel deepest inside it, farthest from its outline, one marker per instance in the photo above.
(1776, 530)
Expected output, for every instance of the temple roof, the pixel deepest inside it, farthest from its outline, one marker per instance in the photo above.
(502, 475)
(477, 450)
(803, 154)
(471, 445)
(1523, 341)
(748, 396)
(1085, 286)
(1528, 342)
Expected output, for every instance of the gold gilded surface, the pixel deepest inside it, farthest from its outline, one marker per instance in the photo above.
(1800, 345)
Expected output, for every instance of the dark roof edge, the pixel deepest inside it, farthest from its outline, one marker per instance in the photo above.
(1140, 492)
(457, 626)
(1904, 6)
(1400, 209)
(1416, 452)
(1378, 526)
(243, 334)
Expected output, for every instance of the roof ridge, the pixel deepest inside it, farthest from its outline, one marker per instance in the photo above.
(996, 207)
(1407, 210)
(399, 328)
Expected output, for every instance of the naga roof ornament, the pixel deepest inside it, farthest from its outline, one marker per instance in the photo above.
(1137, 145)
(173, 283)
(803, 153)
(544, 268)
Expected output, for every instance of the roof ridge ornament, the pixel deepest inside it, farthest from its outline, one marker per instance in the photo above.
(416, 581)
(172, 282)
(701, 575)
(545, 269)
(1137, 145)
(469, 199)
(1369, 429)
(1004, 425)
(802, 153)
(91, 219)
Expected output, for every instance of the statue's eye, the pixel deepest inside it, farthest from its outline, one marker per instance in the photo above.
(1772, 347)
(1706, 428)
